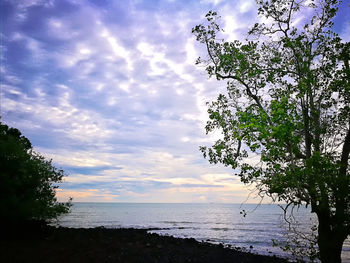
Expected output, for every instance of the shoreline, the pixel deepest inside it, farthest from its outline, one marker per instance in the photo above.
(60, 244)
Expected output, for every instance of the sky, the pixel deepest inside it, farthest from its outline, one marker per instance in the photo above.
(109, 91)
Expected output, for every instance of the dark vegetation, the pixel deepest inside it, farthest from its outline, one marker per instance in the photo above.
(114, 245)
(288, 103)
(27, 182)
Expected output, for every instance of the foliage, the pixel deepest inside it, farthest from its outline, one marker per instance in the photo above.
(300, 244)
(288, 103)
(27, 180)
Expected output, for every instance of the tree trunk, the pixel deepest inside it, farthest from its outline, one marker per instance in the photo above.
(330, 241)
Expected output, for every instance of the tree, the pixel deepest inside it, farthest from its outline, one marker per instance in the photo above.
(27, 181)
(288, 103)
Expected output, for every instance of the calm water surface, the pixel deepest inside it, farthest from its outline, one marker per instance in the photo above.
(217, 223)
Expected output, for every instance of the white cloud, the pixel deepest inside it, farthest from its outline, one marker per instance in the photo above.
(191, 53)
(345, 34)
(214, 2)
(117, 48)
(246, 6)
(82, 125)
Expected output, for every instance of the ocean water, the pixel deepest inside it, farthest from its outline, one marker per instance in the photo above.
(216, 223)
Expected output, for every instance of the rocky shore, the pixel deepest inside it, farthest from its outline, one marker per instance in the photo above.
(64, 245)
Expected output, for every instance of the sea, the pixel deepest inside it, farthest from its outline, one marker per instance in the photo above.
(249, 227)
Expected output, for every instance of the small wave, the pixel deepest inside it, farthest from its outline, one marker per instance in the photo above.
(249, 242)
(221, 228)
(178, 222)
(174, 228)
(252, 230)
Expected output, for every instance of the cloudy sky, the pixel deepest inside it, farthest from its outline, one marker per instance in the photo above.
(110, 91)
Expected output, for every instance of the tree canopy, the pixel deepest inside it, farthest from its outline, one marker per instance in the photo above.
(27, 180)
(287, 104)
